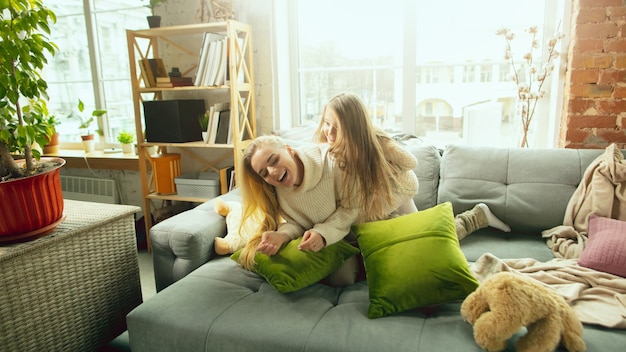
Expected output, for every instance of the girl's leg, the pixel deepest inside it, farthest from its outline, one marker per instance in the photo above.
(476, 218)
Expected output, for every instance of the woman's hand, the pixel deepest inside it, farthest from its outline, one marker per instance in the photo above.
(271, 241)
(312, 241)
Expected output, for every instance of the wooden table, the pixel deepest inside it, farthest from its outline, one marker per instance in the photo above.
(71, 290)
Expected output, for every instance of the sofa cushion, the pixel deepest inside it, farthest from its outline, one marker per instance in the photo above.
(427, 171)
(528, 189)
(292, 269)
(413, 261)
(606, 248)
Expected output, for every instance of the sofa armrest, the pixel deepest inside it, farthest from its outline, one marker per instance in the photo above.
(184, 242)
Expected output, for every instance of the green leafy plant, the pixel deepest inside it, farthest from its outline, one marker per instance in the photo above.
(154, 3)
(125, 137)
(204, 121)
(85, 121)
(24, 43)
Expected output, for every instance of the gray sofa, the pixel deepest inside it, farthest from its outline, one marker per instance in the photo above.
(208, 303)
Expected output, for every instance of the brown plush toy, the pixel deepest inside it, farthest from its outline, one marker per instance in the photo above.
(505, 302)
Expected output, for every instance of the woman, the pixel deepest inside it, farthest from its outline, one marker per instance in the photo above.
(291, 193)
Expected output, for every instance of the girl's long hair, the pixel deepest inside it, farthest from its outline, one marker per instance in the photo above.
(367, 176)
(259, 198)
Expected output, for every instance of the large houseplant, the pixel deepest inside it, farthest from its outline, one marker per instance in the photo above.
(25, 44)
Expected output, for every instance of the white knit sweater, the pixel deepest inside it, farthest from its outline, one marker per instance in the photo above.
(315, 203)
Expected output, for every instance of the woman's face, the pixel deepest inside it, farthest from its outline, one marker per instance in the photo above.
(330, 126)
(278, 167)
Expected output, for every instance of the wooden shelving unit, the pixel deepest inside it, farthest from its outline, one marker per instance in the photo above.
(145, 44)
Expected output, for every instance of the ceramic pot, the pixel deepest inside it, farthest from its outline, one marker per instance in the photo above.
(31, 206)
(154, 21)
(89, 143)
(127, 148)
(53, 145)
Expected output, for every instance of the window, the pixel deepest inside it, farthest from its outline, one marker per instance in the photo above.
(92, 64)
(433, 69)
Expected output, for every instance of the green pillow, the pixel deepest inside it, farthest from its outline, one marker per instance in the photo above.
(413, 261)
(292, 269)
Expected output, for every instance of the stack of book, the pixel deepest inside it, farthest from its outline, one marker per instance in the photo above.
(219, 127)
(168, 82)
(213, 62)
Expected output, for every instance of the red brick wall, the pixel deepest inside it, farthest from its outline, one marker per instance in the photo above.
(594, 114)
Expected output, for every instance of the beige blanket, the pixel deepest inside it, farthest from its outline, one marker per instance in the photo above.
(597, 298)
(602, 191)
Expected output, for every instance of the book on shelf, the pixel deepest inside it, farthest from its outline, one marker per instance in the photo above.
(220, 75)
(233, 180)
(207, 55)
(213, 63)
(225, 178)
(215, 111)
(174, 81)
(204, 48)
(153, 68)
(223, 126)
(146, 75)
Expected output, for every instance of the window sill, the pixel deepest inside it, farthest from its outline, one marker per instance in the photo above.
(77, 158)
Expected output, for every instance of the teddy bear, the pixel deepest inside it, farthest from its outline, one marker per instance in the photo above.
(237, 236)
(506, 301)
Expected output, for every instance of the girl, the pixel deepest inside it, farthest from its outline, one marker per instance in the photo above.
(377, 170)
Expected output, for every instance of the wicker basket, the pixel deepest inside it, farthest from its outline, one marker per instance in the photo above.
(71, 290)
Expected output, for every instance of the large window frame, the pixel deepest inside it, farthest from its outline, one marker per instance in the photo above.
(289, 107)
(99, 24)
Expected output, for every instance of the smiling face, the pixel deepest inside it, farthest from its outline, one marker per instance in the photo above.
(279, 167)
(330, 125)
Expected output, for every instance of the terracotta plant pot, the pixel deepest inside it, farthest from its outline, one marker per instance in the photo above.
(53, 145)
(32, 206)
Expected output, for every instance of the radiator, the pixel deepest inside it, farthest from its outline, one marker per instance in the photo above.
(99, 190)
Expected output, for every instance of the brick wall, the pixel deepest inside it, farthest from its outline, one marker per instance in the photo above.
(594, 114)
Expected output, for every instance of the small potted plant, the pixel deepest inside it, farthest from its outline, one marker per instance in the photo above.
(87, 136)
(53, 141)
(154, 21)
(204, 124)
(126, 139)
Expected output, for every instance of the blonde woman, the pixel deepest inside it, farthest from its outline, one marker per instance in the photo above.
(291, 193)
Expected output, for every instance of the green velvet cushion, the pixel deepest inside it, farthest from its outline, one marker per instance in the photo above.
(292, 269)
(413, 261)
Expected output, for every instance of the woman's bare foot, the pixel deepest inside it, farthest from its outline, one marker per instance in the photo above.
(493, 220)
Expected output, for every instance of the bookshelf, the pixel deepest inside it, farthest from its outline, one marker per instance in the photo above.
(143, 44)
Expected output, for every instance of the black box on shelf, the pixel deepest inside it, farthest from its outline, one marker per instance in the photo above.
(173, 121)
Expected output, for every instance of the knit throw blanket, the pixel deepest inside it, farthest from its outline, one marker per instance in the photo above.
(602, 191)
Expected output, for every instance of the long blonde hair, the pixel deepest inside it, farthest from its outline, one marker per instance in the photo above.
(259, 198)
(367, 176)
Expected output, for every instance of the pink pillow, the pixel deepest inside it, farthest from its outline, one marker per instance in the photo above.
(606, 247)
